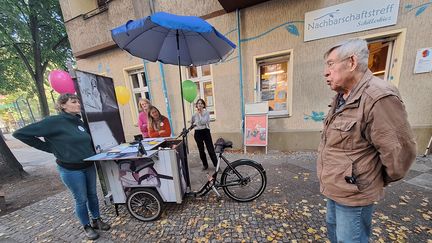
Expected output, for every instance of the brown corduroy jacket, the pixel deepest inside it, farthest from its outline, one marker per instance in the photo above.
(369, 139)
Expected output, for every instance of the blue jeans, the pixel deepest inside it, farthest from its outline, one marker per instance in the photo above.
(348, 224)
(82, 184)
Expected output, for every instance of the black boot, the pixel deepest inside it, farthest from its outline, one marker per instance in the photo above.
(90, 232)
(99, 224)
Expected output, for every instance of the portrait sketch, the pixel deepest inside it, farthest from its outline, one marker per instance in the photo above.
(100, 110)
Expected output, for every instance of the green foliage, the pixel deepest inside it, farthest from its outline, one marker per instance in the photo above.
(11, 115)
(32, 39)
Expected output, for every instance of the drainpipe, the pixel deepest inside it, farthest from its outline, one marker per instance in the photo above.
(152, 9)
(241, 72)
(167, 104)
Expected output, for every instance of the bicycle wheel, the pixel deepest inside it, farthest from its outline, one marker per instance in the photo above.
(249, 185)
(144, 204)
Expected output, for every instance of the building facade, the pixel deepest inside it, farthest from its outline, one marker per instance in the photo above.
(272, 62)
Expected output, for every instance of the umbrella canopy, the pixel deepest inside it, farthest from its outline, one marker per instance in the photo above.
(154, 38)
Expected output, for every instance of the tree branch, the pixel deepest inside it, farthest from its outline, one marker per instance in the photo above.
(24, 59)
(20, 53)
(22, 12)
(61, 41)
(44, 66)
(18, 43)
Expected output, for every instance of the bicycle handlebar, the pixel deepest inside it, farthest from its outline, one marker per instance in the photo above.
(186, 131)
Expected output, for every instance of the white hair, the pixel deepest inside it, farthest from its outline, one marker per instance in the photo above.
(357, 47)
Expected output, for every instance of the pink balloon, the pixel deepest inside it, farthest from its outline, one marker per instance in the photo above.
(61, 82)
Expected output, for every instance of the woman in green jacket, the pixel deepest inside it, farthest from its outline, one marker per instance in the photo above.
(66, 137)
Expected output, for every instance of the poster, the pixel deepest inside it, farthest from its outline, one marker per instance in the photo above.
(423, 62)
(256, 130)
(100, 110)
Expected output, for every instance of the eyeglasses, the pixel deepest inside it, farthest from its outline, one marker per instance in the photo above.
(331, 64)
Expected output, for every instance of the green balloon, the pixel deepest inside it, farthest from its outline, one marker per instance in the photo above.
(189, 90)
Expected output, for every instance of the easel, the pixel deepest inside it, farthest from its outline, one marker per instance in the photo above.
(428, 147)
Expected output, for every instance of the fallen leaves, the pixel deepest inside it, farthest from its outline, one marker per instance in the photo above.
(203, 227)
(406, 219)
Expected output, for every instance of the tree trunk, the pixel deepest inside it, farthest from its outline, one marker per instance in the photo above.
(41, 96)
(38, 67)
(9, 165)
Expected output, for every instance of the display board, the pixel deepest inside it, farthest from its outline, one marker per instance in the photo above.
(256, 130)
(100, 109)
(256, 125)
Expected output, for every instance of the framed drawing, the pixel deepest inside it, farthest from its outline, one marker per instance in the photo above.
(100, 109)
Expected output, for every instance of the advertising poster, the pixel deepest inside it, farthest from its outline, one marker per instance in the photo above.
(256, 130)
(101, 112)
(423, 62)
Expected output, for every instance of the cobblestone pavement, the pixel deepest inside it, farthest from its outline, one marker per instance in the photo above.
(290, 210)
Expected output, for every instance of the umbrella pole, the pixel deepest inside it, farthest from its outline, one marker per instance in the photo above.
(184, 118)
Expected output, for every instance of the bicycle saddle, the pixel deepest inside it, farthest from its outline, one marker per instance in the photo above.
(227, 144)
(221, 144)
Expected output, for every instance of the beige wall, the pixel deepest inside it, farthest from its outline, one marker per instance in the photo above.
(87, 33)
(310, 93)
(75, 8)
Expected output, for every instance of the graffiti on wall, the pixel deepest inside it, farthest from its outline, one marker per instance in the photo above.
(315, 116)
(419, 9)
(289, 26)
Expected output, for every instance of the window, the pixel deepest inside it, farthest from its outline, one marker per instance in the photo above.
(138, 84)
(204, 81)
(273, 83)
(386, 51)
(380, 55)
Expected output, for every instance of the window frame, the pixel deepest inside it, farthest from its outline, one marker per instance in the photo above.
(395, 65)
(200, 80)
(142, 89)
(273, 58)
(390, 42)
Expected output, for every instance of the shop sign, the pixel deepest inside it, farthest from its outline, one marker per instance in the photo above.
(349, 17)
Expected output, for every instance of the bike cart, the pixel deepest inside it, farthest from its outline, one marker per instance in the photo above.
(146, 175)
(143, 175)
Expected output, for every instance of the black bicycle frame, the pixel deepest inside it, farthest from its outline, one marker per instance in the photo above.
(213, 184)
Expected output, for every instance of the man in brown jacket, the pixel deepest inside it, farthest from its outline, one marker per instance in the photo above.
(366, 142)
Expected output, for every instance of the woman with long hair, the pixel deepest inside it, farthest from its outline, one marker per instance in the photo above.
(144, 105)
(158, 125)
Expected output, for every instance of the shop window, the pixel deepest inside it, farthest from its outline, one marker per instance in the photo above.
(202, 76)
(273, 83)
(138, 84)
(380, 56)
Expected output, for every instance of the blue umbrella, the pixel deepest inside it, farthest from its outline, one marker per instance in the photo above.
(173, 39)
(162, 36)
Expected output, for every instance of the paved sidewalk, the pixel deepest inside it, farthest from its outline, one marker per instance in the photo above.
(291, 209)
